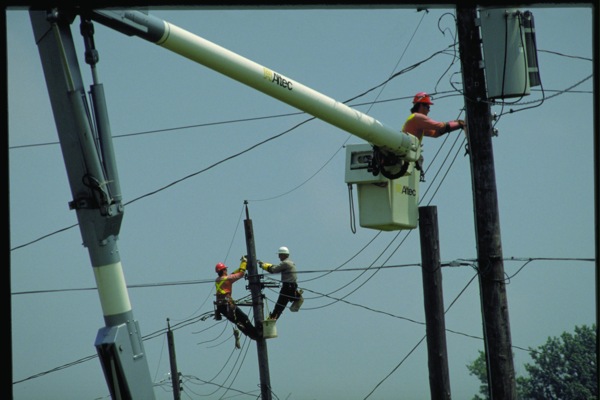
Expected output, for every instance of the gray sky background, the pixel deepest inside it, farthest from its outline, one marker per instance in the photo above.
(172, 118)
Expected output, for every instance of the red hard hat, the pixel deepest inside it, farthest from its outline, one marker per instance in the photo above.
(220, 267)
(422, 97)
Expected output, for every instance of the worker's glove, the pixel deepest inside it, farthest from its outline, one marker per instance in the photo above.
(244, 259)
(461, 123)
(265, 265)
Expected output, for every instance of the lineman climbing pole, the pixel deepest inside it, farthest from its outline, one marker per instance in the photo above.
(257, 306)
(496, 327)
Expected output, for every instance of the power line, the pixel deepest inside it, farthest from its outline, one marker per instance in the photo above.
(265, 117)
(306, 272)
(259, 143)
(294, 189)
(207, 315)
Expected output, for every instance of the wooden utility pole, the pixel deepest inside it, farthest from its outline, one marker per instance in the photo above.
(439, 377)
(496, 327)
(173, 362)
(257, 303)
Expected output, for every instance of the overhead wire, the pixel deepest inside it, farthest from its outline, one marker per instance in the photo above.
(374, 270)
(238, 225)
(380, 254)
(320, 271)
(244, 151)
(476, 275)
(377, 270)
(305, 181)
(162, 351)
(420, 341)
(177, 128)
(226, 361)
(439, 185)
(383, 251)
(371, 103)
(284, 193)
(192, 379)
(194, 320)
(219, 336)
(239, 362)
(561, 92)
(454, 56)
(381, 86)
(332, 292)
(423, 338)
(546, 98)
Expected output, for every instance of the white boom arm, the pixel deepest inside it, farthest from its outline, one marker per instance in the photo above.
(262, 79)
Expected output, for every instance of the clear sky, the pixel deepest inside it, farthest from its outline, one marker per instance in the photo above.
(172, 118)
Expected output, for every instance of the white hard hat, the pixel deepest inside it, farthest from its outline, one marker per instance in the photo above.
(283, 250)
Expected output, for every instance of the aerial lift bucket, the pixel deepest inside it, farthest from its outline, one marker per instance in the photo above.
(384, 204)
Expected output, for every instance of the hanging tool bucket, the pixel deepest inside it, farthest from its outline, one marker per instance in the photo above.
(269, 329)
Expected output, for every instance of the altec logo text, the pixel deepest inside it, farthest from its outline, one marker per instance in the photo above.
(276, 78)
(408, 191)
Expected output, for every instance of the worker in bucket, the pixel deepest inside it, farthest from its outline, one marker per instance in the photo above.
(225, 305)
(289, 287)
(419, 124)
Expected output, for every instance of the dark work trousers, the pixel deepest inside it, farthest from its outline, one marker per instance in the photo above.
(234, 314)
(287, 294)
